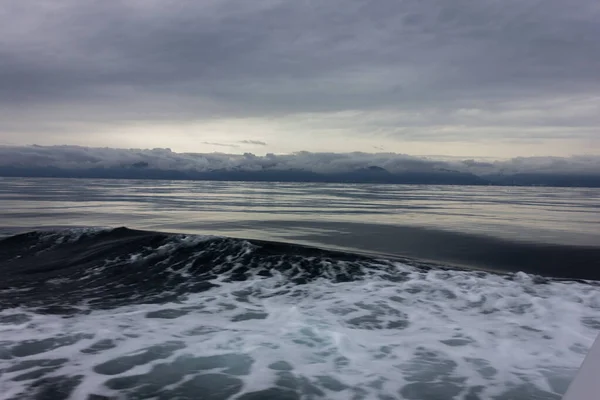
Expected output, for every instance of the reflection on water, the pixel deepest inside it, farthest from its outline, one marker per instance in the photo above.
(551, 215)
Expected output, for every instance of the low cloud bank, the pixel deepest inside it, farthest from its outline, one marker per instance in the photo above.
(77, 161)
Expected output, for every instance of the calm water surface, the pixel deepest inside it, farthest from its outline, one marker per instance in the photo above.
(555, 215)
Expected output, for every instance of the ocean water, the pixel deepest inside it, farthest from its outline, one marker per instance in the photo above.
(294, 291)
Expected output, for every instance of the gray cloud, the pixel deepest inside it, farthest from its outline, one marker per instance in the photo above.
(76, 157)
(425, 63)
(220, 144)
(254, 142)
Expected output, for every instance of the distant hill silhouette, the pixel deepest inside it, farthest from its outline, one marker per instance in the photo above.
(371, 174)
(68, 161)
(364, 175)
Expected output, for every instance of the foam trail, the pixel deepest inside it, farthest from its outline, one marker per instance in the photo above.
(269, 322)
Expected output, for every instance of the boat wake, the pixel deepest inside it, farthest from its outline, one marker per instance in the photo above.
(119, 313)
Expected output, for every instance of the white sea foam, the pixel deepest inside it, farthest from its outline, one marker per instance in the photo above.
(436, 335)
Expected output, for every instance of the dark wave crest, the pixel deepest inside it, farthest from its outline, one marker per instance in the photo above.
(107, 268)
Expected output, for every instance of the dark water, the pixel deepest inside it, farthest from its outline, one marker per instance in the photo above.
(120, 313)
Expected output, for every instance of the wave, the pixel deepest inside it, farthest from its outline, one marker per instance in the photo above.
(120, 313)
(114, 267)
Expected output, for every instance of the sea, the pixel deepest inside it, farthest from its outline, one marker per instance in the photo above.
(145, 289)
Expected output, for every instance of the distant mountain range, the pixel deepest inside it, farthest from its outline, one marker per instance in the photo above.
(112, 163)
(372, 174)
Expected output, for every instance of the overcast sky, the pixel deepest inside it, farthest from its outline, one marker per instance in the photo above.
(477, 78)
